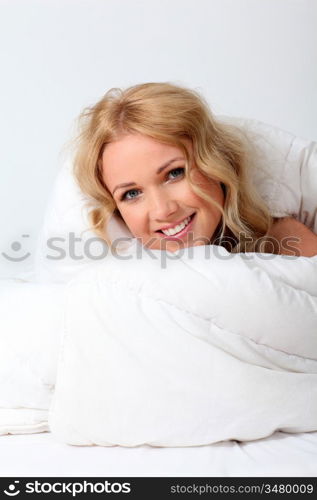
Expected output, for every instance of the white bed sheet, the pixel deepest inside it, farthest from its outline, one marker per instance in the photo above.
(40, 455)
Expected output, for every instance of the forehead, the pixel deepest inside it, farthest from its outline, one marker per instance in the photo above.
(135, 155)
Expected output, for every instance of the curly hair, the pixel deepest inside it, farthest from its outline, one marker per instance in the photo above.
(169, 113)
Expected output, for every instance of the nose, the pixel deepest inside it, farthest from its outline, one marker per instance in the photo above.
(162, 206)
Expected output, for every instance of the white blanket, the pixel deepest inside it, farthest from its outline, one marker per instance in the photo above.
(188, 349)
(31, 319)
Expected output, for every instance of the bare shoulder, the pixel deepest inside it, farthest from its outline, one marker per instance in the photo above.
(293, 238)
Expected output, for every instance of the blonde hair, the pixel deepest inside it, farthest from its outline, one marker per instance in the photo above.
(169, 113)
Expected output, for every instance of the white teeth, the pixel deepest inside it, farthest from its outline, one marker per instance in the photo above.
(176, 229)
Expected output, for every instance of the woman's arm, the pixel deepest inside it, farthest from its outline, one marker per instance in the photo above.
(291, 237)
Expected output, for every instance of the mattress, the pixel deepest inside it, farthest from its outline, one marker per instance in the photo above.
(280, 455)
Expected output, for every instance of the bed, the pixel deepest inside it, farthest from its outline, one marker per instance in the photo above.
(290, 190)
(280, 455)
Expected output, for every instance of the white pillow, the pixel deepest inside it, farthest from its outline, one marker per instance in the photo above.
(207, 349)
(282, 166)
(31, 316)
(65, 244)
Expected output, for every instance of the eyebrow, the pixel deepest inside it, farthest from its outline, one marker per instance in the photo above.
(159, 170)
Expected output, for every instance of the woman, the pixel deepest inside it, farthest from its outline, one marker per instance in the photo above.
(155, 155)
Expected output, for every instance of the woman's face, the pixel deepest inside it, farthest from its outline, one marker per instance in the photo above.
(147, 181)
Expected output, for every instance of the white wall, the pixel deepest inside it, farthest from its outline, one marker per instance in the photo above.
(252, 58)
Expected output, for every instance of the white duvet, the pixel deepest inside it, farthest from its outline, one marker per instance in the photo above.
(31, 325)
(205, 348)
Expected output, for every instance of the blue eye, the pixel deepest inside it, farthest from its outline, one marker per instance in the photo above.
(130, 195)
(126, 197)
(179, 169)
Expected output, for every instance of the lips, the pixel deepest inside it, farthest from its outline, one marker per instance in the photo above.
(181, 233)
(171, 226)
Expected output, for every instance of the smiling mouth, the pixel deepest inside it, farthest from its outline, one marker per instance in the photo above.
(181, 232)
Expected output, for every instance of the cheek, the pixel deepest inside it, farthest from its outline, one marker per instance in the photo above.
(211, 187)
(217, 193)
(133, 219)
